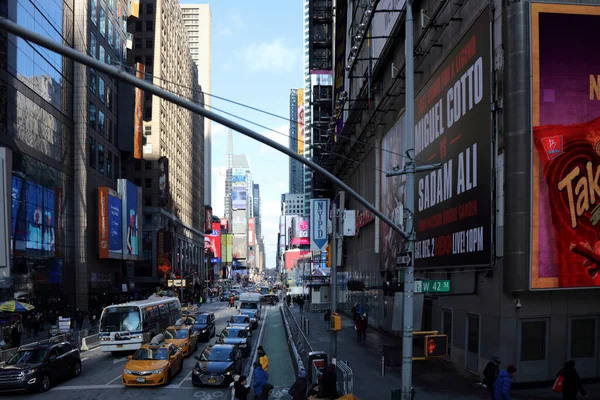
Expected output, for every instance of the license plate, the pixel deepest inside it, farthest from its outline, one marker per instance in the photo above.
(141, 380)
(119, 345)
(212, 381)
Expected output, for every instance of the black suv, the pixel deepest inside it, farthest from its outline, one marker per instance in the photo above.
(204, 325)
(35, 368)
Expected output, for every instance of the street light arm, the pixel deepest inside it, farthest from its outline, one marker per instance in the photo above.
(69, 52)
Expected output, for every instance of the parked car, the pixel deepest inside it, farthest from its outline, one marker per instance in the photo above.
(38, 367)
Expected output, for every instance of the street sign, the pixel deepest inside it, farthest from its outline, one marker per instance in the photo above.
(439, 286)
(404, 259)
(319, 219)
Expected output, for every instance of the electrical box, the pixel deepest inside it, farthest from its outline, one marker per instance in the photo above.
(336, 322)
(349, 223)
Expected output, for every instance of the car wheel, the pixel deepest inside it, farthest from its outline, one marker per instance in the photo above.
(45, 383)
(77, 369)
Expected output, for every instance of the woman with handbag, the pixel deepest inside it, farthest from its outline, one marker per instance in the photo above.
(568, 382)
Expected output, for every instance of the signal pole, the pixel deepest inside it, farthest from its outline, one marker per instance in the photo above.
(333, 278)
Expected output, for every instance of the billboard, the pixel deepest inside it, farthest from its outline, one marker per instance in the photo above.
(131, 205)
(300, 234)
(292, 256)
(164, 252)
(139, 114)
(207, 219)
(339, 85)
(566, 141)
(228, 256)
(251, 232)
(238, 178)
(240, 245)
(225, 227)
(300, 94)
(239, 198)
(110, 230)
(163, 181)
(453, 128)
(215, 242)
(239, 222)
(33, 216)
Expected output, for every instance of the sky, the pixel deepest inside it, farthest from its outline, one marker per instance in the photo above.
(257, 58)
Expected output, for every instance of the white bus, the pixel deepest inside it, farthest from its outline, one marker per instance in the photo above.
(125, 327)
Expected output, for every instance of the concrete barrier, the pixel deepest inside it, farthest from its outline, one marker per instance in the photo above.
(90, 342)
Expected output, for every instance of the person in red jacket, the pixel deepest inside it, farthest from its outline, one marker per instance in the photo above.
(360, 327)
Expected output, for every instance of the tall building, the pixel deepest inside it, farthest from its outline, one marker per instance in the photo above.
(229, 166)
(292, 204)
(171, 172)
(307, 173)
(198, 22)
(296, 167)
(256, 207)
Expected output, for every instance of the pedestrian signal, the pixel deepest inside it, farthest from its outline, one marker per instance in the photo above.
(436, 346)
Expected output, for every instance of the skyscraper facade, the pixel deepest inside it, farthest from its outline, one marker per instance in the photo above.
(307, 173)
(198, 23)
(296, 176)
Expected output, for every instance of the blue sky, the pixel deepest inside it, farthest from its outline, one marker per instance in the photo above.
(257, 57)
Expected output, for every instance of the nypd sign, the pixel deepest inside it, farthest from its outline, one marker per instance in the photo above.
(319, 219)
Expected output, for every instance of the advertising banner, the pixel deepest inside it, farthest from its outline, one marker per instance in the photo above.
(452, 127)
(239, 198)
(39, 209)
(131, 221)
(240, 246)
(207, 219)
(215, 242)
(251, 232)
(164, 250)
(228, 256)
(163, 181)
(225, 226)
(240, 222)
(565, 249)
(300, 233)
(293, 117)
(300, 120)
(238, 178)
(18, 216)
(339, 86)
(292, 256)
(139, 114)
(110, 232)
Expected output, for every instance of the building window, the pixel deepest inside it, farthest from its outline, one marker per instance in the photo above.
(109, 164)
(138, 26)
(93, 46)
(101, 121)
(149, 26)
(101, 158)
(92, 115)
(149, 61)
(147, 130)
(148, 219)
(110, 34)
(102, 22)
(92, 153)
(101, 92)
(137, 182)
(137, 43)
(109, 130)
(148, 165)
(149, 8)
(93, 81)
(101, 53)
(148, 201)
(116, 166)
(94, 11)
(109, 98)
(533, 340)
(148, 183)
(583, 338)
(137, 58)
(147, 113)
(149, 44)
(137, 166)
(111, 5)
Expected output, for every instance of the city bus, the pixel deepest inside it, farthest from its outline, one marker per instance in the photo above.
(125, 327)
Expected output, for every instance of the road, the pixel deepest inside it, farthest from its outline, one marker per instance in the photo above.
(101, 373)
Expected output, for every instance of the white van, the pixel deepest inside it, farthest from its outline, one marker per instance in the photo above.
(250, 301)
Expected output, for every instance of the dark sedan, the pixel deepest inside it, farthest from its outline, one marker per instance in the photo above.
(225, 296)
(240, 319)
(36, 368)
(204, 326)
(238, 335)
(253, 314)
(217, 365)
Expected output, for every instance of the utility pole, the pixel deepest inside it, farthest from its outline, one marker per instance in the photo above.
(333, 279)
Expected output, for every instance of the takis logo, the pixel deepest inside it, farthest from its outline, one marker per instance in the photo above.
(553, 146)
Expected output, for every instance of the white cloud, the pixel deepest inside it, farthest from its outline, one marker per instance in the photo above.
(281, 136)
(218, 130)
(273, 56)
(233, 20)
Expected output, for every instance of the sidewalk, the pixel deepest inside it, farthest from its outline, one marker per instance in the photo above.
(433, 379)
(274, 341)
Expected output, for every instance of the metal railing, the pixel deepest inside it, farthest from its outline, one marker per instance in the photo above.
(297, 341)
(346, 383)
(318, 307)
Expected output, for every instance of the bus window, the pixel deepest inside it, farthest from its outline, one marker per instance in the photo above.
(121, 319)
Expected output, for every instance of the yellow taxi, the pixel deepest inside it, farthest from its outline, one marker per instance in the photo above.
(153, 364)
(182, 336)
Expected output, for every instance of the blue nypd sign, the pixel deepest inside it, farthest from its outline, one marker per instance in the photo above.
(319, 220)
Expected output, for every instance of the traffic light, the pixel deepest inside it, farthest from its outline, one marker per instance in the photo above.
(329, 255)
(436, 346)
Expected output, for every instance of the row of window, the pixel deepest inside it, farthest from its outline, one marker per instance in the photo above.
(99, 87)
(102, 160)
(101, 124)
(107, 29)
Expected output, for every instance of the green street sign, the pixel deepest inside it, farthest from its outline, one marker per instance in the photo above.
(432, 286)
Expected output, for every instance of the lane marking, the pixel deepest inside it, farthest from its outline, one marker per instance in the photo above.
(84, 359)
(120, 360)
(118, 377)
(94, 349)
(186, 378)
(112, 387)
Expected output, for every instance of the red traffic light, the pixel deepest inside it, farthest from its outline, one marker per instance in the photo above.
(436, 346)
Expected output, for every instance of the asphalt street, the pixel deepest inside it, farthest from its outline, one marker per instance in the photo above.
(101, 373)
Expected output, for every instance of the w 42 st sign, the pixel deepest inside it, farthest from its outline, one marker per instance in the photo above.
(439, 286)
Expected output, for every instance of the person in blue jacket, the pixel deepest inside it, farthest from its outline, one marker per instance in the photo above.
(259, 379)
(503, 383)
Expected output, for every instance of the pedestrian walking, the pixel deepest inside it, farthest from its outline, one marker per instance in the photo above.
(301, 304)
(365, 322)
(571, 383)
(354, 312)
(327, 319)
(359, 326)
(504, 382)
(241, 388)
(266, 392)
(262, 358)
(231, 302)
(299, 388)
(258, 380)
(490, 374)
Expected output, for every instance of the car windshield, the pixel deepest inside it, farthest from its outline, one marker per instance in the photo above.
(201, 318)
(248, 306)
(234, 333)
(216, 354)
(33, 356)
(239, 319)
(176, 333)
(117, 319)
(150, 354)
(251, 314)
